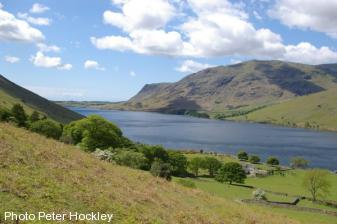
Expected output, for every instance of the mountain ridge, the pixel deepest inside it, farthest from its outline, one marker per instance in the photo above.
(12, 93)
(244, 85)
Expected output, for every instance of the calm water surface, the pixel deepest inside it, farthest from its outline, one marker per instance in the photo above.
(182, 132)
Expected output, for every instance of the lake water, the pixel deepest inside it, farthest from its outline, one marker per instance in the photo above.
(183, 132)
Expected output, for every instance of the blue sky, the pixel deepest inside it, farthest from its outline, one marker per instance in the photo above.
(109, 49)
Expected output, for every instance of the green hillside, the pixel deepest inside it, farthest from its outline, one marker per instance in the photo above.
(317, 110)
(38, 174)
(10, 93)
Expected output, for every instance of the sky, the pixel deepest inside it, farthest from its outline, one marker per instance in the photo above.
(109, 49)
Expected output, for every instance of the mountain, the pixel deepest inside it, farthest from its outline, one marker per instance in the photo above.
(246, 85)
(10, 93)
(40, 174)
(317, 111)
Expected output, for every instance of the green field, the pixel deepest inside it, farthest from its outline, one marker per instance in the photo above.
(318, 111)
(290, 183)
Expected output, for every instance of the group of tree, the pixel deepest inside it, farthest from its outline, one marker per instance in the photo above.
(35, 122)
(211, 164)
(243, 156)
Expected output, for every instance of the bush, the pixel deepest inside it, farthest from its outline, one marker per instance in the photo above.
(161, 169)
(48, 128)
(273, 161)
(186, 183)
(5, 115)
(131, 159)
(35, 116)
(178, 163)
(242, 155)
(19, 114)
(93, 132)
(259, 194)
(231, 172)
(152, 153)
(254, 159)
(211, 164)
(105, 155)
(299, 162)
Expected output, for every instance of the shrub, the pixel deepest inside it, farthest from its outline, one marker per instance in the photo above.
(231, 172)
(152, 153)
(186, 183)
(259, 194)
(48, 128)
(299, 162)
(105, 155)
(242, 155)
(254, 159)
(5, 115)
(273, 161)
(131, 159)
(211, 164)
(178, 163)
(161, 169)
(93, 132)
(35, 116)
(19, 115)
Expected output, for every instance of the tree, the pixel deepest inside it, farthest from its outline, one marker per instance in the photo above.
(242, 155)
(48, 128)
(317, 183)
(231, 172)
(211, 164)
(93, 132)
(35, 116)
(131, 159)
(195, 164)
(273, 161)
(299, 162)
(19, 115)
(178, 163)
(254, 159)
(161, 169)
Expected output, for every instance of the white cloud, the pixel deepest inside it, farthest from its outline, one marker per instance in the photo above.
(40, 21)
(38, 8)
(257, 15)
(319, 16)
(13, 29)
(90, 64)
(40, 60)
(1, 5)
(190, 66)
(307, 53)
(48, 48)
(12, 59)
(57, 93)
(132, 74)
(216, 28)
(136, 14)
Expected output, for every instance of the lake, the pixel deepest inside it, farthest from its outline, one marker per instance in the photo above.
(183, 132)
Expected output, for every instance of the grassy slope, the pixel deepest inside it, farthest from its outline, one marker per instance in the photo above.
(40, 174)
(319, 108)
(11, 93)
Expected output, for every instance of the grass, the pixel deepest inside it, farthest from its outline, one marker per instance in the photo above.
(313, 111)
(39, 174)
(232, 192)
